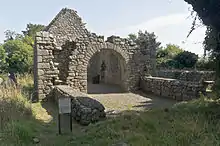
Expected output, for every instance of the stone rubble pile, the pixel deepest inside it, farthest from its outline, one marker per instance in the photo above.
(85, 110)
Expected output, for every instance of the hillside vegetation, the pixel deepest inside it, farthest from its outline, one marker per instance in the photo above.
(23, 123)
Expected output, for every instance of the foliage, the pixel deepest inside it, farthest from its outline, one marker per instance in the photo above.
(183, 124)
(208, 11)
(205, 64)
(32, 29)
(2, 58)
(186, 123)
(169, 52)
(16, 53)
(132, 37)
(15, 112)
(172, 56)
(19, 56)
(186, 59)
(28, 40)
(145, 40)
(11, 35)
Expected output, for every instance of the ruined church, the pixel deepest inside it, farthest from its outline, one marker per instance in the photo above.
(66, 53)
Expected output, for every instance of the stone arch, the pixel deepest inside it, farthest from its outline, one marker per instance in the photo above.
(92, 49)
(122, 61)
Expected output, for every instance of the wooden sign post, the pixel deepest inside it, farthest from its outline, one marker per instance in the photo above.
(64, 108)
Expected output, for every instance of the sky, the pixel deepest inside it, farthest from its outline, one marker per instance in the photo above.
(169, 19)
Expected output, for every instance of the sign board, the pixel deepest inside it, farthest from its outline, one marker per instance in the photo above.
(64, 105)
(64, 108)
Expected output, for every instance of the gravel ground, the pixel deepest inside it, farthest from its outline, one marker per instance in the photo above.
(126, 101)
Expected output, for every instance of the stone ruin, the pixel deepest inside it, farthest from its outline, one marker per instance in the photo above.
(67, 58)
(66, 53)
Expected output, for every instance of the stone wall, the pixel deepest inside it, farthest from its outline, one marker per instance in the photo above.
(45, 69)
(172, 88)
(67, 26)
(63, 52)
(195, 76)
(85, 110)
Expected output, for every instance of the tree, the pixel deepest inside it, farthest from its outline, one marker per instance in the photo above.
(186, 59)
(145, 40)
(2, 58)
(19, 56)
(148, 44)
(28, 40)
(11, 35)
(132, 37)
(32, 29)
(169, 52)
(208, 12)
(165, 56)
(205, 63)
(16, 54)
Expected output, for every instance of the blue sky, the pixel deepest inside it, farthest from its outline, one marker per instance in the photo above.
(167, 18)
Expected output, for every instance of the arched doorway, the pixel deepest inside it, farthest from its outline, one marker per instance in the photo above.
(106, 72)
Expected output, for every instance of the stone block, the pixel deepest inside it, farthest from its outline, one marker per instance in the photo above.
(42, 52)
(40, 72)
(43, 65)
(41, 96)
(52, 72)
(39, 59)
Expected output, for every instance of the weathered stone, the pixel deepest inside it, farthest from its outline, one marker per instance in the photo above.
(39, 59)
(43, 52)
(85, 110)
(193, 76)
(66, 45)
(40, 72)
(172, 88)
(36, 140)
(43, 65)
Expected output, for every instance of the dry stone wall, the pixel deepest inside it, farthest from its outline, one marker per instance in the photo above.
(67, 26)
(64, 50)
(195, 76)
(172, 88)
(46, 70)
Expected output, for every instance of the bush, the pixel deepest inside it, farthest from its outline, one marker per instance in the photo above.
(205, 64)
(16, 56)
(186, 59)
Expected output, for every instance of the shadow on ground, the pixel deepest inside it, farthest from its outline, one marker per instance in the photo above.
(103, 88)
(154, 101)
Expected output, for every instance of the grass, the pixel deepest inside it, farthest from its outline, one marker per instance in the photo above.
(185, 124)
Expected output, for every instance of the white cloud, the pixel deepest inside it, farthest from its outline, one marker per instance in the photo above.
(160, 22)
(153, 24)
(172, 28)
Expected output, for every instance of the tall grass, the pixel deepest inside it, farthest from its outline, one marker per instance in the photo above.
(14, 108)
(185, 124)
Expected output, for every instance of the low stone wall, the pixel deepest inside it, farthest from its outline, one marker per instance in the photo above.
(194, 76)
(172, 88)
(85, 110)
